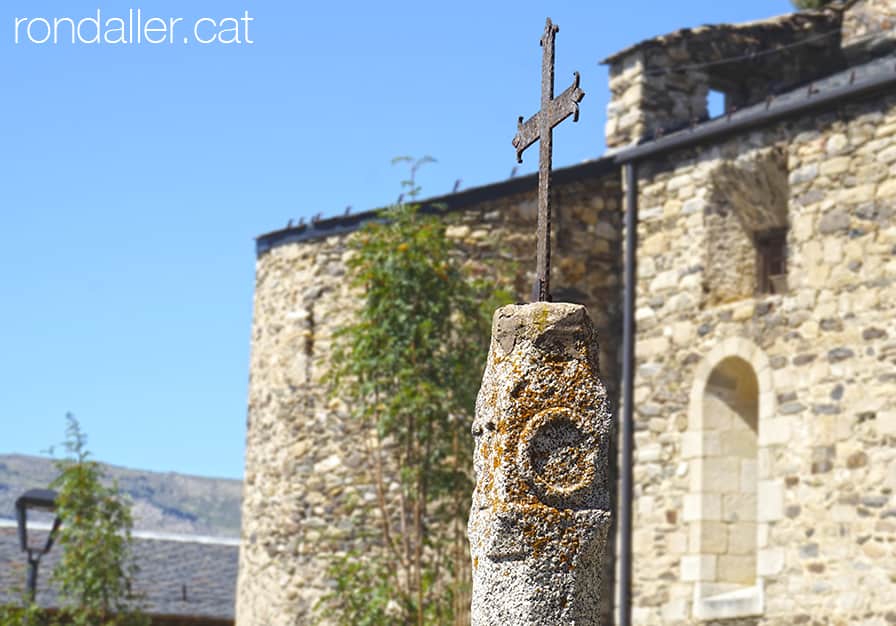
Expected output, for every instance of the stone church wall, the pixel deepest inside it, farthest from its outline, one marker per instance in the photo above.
(307, 494)
(817, 504)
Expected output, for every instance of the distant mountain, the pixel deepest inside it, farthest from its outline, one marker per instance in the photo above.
(168, 503)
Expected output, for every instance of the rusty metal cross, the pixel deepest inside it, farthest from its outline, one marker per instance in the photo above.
(540, 127)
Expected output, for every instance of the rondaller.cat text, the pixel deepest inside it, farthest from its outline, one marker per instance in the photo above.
(134, 28)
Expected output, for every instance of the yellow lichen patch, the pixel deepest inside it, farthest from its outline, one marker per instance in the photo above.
(540, 318)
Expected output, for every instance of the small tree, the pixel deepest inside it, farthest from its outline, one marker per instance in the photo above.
(94, 572)
(409, 369)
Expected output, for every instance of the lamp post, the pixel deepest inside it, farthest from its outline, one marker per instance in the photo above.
(35, 500)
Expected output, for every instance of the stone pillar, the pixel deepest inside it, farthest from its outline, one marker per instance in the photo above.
(541, 507)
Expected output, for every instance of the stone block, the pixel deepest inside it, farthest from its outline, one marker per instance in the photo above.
(717, 415)
(740, 442)
(836, 144)
(712, 443)
(675, 611)
(677, 543)
(775, 431)
(740, 569)
(702, 506)
(664, 280)
(855, 195)
(717, 474)
(649, 453)
(693, 206)
(770, 561)
(835, 166)
(651, 348)
(887, 155)
(886, 422)
(691, 444)
(698, 567)
(677, 182)
(843, 513)
(645, 505)
(739, 507)
(833, 251)
(742, 538)
(831, 222)
(743, 312)
(770, 496)
(684, 333)
(804, 174)
(762, 533)
(708, 537)
(886, 190)
(749, 474)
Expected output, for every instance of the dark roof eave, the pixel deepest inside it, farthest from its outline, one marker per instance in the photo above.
(754, 117)
(440, 204)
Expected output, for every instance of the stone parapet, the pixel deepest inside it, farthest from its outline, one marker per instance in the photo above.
(661, 85)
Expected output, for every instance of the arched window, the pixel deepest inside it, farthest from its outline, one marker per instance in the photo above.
(730, 416)
(729, 399)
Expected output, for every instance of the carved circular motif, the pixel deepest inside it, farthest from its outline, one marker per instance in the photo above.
(557, 455)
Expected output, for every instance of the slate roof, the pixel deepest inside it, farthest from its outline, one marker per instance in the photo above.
(204, 568)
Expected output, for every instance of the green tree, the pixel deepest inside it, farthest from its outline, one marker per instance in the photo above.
(95, 568)
(409, 368)
(94, 572)
(810, 4)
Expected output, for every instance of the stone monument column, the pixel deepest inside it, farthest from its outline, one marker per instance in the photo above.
(541, 507)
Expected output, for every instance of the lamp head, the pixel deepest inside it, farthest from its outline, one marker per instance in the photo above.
(35, 500)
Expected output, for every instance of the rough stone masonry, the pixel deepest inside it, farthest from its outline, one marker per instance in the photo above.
(541, 507)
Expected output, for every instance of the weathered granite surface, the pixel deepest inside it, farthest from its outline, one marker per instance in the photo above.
(541, 508)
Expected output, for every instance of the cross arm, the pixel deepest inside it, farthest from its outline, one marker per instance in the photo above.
(566, 104)
(561, 107)
(527, 134)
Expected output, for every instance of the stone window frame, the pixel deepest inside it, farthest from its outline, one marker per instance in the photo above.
(697, 569)
(771, 251)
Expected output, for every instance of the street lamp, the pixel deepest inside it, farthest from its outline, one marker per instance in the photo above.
(35, 500)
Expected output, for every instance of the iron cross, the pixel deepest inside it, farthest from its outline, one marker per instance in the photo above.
(540, 127)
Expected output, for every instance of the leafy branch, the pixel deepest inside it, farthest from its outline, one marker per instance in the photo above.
(408, 368)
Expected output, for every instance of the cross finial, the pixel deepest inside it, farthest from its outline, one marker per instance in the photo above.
(540, 127)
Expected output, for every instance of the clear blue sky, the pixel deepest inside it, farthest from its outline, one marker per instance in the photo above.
(133, 179)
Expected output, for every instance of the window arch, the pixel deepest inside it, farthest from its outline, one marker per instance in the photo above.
(731, 396)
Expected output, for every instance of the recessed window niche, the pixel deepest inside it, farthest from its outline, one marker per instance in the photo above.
(746, 228)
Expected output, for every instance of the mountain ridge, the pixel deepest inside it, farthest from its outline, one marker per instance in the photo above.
(165, 502)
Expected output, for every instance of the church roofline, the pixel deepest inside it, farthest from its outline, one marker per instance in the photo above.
(786, 23)
(854, 83)
(447, 203)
